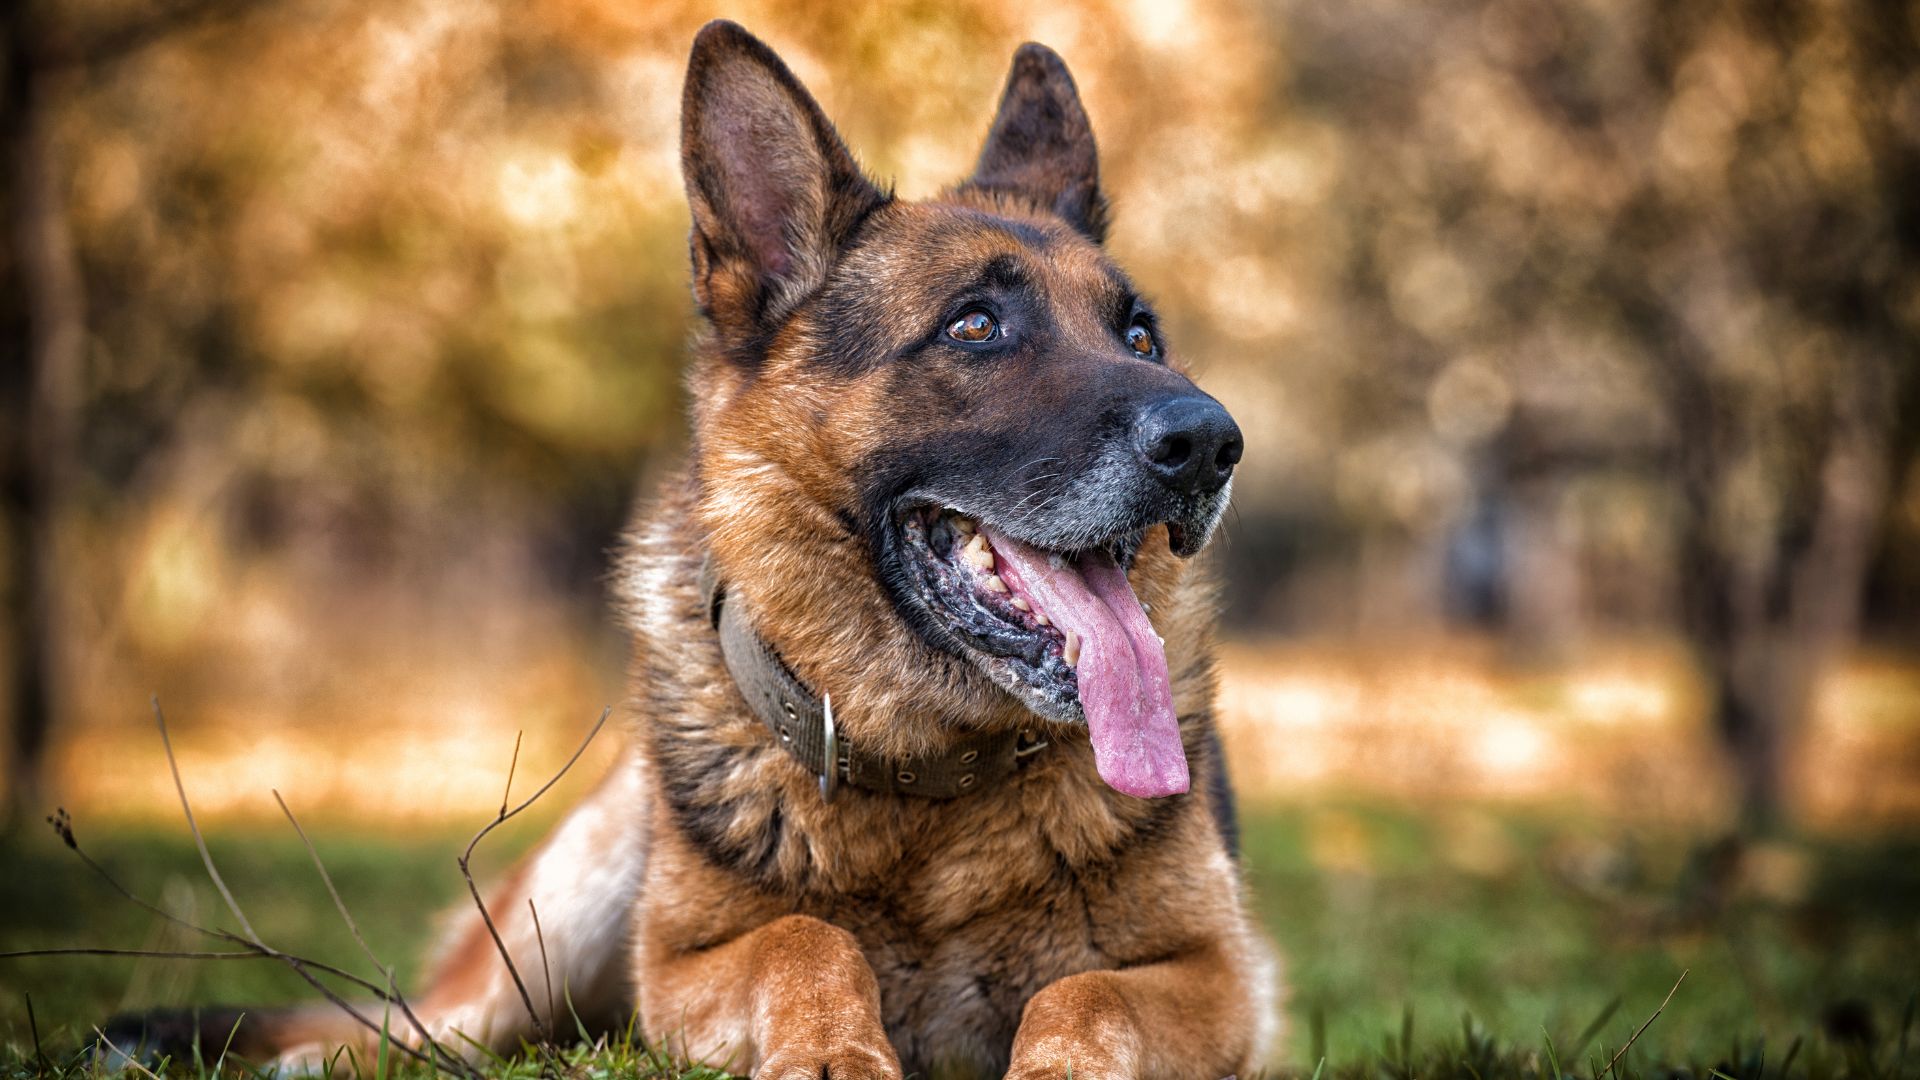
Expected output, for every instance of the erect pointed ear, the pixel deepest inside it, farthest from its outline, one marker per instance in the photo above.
(773, 190)
(1041, 144)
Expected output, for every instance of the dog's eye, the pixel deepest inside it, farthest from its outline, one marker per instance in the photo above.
(973, 327)
(1140, 340)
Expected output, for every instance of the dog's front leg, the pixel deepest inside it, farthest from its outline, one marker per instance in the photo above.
(792, 1000)
(1195, 1015)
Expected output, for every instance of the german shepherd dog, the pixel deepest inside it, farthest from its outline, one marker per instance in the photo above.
(920, 772)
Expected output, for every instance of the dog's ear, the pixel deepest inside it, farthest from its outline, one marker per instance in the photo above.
(1041, 144)
(773, 190)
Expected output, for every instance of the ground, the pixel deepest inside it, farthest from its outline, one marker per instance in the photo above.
(1418, 942)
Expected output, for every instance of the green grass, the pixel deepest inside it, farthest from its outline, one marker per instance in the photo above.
(1467, 943)
(1525, 924)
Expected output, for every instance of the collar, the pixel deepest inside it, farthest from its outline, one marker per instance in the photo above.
(803, 722)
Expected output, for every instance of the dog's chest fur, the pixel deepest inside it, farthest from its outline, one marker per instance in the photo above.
(964, 908)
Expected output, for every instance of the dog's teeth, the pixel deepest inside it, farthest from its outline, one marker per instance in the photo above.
(964, 524)
(977, 554)
(994, 584)
(1041, 618)
(1071, 654)
(1021, 603)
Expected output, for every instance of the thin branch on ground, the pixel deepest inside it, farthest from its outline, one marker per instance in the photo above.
(1622, 1052)
(33, 1025)
(542, 1029)
(327, 880)
(251, 947)
(63, 825)
(513, 764)
(141, 954)
(546, 969)
(127, 1059)
(298, 965)
(394, 995)
(199, 841)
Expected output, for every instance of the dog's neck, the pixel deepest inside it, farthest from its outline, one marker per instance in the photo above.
(803, 722)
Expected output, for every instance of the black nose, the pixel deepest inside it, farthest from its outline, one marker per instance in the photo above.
(1189, 442)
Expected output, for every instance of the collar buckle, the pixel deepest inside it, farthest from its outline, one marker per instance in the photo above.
(1027, 745)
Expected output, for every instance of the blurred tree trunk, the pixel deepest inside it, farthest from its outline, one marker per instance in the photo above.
(42, 389)
(1781, 494)
(1769, 618)
(42, 401)
(1769, 607)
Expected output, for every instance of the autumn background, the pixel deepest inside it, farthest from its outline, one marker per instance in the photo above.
(1572, 586)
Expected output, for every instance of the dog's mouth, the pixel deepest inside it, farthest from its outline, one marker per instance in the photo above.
(1061, 630)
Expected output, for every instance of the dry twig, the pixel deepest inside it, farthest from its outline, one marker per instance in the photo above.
(127, 1059)
(393, 991)
(542, 1030)
(298, 965)
(251, 947)
(33, 1025)
(142, 954)
(1622, 1052)
(63, 825)
(546, 969)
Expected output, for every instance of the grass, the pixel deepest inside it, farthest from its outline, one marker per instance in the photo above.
(1525, 922)
(1470, 943)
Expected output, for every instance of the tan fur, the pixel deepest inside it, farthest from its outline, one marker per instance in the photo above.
(1046, 924)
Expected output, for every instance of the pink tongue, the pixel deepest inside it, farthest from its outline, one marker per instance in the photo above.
(1122, 670)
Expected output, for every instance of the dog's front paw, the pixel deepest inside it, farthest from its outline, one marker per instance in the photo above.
(837, 1063)
(1070, 1063)
(1079, 1027)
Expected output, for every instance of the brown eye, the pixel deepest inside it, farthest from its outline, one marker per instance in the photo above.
(973, 327)
(1140, 340)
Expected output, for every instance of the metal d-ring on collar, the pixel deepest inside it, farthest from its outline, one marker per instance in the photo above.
(805, 725)
(830, 779)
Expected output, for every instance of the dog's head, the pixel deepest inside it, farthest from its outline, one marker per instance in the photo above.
(936, 440)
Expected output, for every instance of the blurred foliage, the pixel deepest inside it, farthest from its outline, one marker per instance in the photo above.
(1545, 316)
(378, 277)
